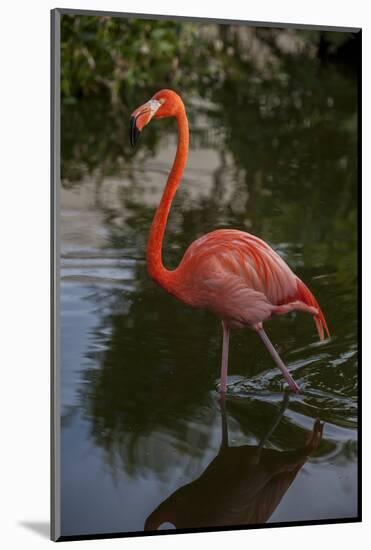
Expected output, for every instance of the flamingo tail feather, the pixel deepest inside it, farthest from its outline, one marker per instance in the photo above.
(305, 295)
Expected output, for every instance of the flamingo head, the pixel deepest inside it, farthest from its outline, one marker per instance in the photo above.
(164, 103)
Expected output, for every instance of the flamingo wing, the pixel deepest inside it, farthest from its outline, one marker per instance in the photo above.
(228, 296)
(241, 278)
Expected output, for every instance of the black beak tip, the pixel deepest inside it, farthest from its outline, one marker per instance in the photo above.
(134, 132)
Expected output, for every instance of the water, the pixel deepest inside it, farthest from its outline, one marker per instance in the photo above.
(145, 441)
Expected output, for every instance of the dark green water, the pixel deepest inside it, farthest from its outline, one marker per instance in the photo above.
(140, 412)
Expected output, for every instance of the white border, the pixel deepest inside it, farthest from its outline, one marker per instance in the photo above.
(25, 174)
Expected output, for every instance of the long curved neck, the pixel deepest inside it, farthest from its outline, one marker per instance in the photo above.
(155, 266)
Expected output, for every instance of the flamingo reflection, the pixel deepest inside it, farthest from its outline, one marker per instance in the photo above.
(242, 485)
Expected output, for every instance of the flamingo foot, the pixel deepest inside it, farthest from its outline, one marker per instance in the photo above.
(292, 384)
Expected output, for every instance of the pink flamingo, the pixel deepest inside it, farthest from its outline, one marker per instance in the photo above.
(234, 274)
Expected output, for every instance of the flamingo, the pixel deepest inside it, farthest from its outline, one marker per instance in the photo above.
(231, 273)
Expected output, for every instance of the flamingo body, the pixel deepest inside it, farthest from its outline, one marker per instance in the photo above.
(242, 280)
(234, 274)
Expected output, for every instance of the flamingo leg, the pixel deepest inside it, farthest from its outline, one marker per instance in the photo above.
(277, 359)
(224, 368)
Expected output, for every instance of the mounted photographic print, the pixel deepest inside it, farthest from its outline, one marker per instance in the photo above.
(205, 190)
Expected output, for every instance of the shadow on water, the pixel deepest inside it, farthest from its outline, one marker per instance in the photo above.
(242, 485)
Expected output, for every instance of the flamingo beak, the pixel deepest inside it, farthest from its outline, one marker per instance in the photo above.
(140, 118)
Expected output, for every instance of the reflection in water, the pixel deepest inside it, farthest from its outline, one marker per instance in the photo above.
(242, 485)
